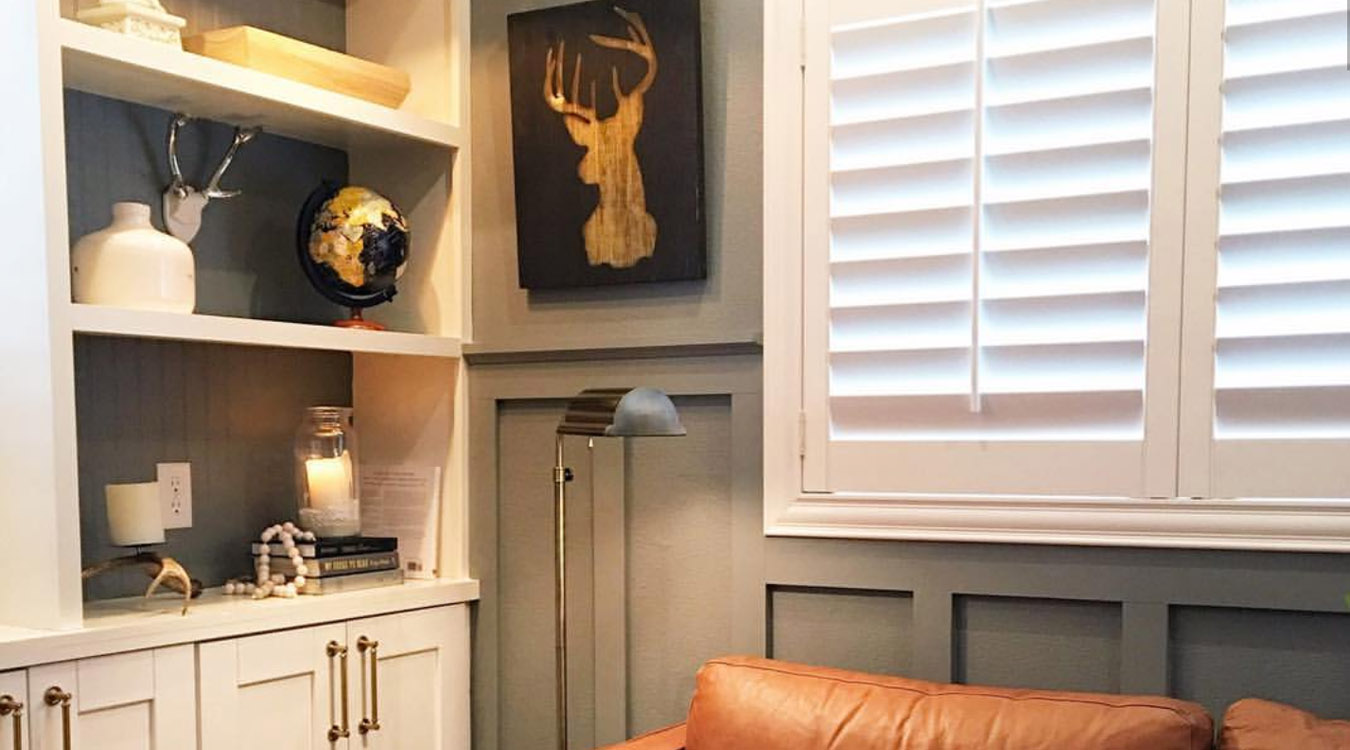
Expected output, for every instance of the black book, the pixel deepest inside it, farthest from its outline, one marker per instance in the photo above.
(356, 545)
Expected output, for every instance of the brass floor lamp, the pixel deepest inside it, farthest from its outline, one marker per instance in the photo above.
(603, 412)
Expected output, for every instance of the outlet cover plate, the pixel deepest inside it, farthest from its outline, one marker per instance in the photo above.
(175, 494)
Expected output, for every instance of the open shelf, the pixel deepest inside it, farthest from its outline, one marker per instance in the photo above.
(115, 625)
(116, 321)
(159, 75)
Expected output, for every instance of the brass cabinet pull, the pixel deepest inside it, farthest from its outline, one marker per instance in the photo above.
(337, 732)
(55, 696)
(364, 644)
(10, 706)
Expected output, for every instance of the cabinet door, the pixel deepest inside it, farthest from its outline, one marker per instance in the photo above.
(14, 724)
(279, 691)
(141, 700)
(416, 680)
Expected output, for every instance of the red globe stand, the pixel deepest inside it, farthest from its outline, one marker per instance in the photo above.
(358, 322)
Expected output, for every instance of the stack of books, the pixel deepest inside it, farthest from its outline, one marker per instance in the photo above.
(337, 565)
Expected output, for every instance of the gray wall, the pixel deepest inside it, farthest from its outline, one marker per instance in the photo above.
(701, 580)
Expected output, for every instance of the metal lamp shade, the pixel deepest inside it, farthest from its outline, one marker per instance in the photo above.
(621, 412)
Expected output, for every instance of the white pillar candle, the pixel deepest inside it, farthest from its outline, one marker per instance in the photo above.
(134, 514)
(330, 482)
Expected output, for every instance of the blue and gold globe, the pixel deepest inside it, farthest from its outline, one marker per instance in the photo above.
(353, 245)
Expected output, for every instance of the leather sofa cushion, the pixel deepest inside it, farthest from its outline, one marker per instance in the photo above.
(745, 702)
(1254, 724)
(670, 738)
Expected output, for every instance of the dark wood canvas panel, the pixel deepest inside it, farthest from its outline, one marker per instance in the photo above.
(583, 216)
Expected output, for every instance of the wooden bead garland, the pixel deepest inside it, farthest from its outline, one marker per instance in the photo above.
(275, 584)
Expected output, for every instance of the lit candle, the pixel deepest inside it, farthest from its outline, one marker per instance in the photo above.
(330, 482)
(134, 514)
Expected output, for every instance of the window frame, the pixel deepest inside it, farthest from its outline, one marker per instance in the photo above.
(1176, 511)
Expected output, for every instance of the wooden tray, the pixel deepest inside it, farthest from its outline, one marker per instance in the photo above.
(282, 56)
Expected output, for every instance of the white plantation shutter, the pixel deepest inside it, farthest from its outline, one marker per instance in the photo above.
(1278, 415)
(979, 228)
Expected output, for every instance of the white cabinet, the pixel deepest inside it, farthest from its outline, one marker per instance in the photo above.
(282, 691)
(413, 680)
(142, 700)
(397, 682)
(13, 710)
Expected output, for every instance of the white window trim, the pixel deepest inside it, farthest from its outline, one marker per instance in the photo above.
(1307, 525)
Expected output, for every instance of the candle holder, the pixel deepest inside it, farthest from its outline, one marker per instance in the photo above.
(326, 478)
(134, 521)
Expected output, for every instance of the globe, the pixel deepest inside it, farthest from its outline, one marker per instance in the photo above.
(353, 245)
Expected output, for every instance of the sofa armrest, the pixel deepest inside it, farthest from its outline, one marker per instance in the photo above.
(670, 738)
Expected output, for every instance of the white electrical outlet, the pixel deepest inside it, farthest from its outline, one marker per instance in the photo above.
(175, 494)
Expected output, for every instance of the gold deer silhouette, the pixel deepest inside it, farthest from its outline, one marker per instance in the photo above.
(620, 232)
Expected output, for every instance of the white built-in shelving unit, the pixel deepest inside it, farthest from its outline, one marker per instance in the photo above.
(407, 383)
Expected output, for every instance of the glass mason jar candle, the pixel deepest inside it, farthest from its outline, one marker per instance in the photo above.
(326, 480)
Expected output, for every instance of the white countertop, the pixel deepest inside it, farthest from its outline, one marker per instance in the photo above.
(131, 624)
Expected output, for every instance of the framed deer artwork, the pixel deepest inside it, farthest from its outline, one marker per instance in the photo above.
(607, 126)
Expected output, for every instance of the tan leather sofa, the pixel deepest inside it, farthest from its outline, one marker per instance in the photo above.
(742, 703)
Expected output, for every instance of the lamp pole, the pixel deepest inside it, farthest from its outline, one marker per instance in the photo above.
(561, 476)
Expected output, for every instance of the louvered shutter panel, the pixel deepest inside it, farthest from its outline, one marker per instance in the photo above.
(989, 176)
(1281, 349)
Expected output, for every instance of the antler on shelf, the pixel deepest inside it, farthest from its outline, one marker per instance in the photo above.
(165, 570)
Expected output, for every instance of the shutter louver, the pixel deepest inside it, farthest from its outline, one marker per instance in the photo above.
(1282, 320)
(990, 177)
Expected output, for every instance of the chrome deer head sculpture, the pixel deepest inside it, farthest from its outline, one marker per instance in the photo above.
(620, 232)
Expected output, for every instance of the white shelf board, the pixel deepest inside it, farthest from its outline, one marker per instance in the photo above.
(109, 64)
(115, 321)
(118, 625)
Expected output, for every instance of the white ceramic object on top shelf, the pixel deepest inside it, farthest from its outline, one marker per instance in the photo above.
(146, 19)
(131, 264)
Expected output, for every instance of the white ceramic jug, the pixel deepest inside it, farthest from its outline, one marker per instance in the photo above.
(131, 264)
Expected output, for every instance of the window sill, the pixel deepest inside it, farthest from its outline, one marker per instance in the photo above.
(1300, 525)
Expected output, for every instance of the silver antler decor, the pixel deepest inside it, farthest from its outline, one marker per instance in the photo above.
(183, 204)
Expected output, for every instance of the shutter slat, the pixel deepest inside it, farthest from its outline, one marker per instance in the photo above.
(1103, 168)
(1066, 220)
(938, 325)
(1113, 415)
(1247, 12)
(1292, 361)
(896, 47)
(1267, 205)
(900, 280)
(1079, 71)
(1304, 43)
(1041, 126)
(1283, 309)
(908, 94)
(915, 140)
(1084, 318)
(1284, 257)
(1284, 99)
(1284, 153)
(917, 187)
(1283, 413)
(1052, 24)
